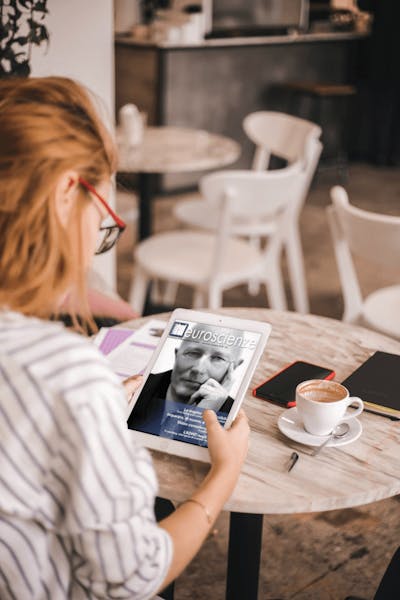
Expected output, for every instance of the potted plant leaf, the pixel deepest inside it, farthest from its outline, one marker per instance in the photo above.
(21, 27)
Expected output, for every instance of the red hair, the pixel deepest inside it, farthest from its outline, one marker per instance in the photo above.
(47, 127)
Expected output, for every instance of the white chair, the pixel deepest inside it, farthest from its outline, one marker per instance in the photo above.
(375, 238)
(297, 141)
(281, 135)
(212, 261)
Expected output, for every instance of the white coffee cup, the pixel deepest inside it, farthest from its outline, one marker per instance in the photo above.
(322, 404)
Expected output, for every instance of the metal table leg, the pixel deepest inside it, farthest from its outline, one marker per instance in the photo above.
(145, 185)
(145, 189)
(245, 535)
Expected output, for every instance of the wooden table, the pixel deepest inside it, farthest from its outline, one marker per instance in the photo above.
(172, 150)
(359, 473)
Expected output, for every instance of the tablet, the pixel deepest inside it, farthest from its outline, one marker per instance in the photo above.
(202, 361)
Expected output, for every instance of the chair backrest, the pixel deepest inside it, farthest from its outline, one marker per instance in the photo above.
(283, 135)
(368, 235)
(251, 198)
(253, 195)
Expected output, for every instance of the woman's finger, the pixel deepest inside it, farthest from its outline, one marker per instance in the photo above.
(240, 418)
(132, 384)
(210, 419)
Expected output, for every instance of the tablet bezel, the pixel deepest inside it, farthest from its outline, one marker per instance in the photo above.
(187, 449)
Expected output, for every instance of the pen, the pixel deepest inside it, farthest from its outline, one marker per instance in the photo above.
(294, 457)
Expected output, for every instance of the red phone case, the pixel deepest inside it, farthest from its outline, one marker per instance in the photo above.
(330, 375)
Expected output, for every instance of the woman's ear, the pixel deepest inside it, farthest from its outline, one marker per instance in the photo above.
(65, 195)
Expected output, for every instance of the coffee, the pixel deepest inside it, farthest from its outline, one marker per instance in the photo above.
(320, 392)
(322, 404)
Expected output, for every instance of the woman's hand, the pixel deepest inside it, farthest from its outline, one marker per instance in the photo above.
(227, 447)
(131, 385)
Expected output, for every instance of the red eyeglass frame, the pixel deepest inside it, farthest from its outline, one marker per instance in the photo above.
(121, 224)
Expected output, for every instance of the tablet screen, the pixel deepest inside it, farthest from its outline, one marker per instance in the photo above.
(199, 366)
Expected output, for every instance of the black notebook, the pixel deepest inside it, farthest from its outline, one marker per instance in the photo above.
(377, 383)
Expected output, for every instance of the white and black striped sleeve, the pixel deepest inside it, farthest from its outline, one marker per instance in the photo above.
(119, 550)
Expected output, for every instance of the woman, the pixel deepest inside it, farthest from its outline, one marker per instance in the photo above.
(76, 492)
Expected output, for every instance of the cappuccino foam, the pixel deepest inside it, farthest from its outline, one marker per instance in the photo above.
(323, 391)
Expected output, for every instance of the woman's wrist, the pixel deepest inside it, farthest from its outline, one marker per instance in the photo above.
(222, 478)
(204, 508)
(228, 471)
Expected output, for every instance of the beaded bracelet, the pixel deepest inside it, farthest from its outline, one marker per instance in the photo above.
(203, 506)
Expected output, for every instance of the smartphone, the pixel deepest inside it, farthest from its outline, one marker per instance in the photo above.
(281, 387)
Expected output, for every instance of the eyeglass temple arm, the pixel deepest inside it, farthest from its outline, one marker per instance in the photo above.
(91, 189)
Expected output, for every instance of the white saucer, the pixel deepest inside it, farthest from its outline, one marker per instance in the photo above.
(290, 425)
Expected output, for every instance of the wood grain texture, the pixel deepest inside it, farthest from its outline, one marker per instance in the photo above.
(137, 80)
(364, 471)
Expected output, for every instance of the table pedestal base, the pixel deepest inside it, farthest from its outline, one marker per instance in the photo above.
(245, 535)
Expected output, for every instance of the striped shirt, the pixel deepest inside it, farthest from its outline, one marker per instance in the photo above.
(76, 492)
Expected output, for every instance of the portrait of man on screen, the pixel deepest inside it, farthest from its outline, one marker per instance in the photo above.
(198, 368)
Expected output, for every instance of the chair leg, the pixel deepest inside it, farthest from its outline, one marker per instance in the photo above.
(137, 295)
(170, 292)
(253, 286)
(156, 295)
(297, 276)
(276, 291)
(214, 298)
(199, 300)
(166, 296)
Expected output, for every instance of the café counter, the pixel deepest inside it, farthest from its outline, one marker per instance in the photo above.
(214, 84)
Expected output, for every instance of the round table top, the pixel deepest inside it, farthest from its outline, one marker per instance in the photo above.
(358, 473)
(177, 150)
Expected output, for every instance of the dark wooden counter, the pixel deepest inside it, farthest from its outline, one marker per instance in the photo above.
(215, 84)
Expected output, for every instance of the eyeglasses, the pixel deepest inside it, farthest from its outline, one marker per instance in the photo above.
(108, 234)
